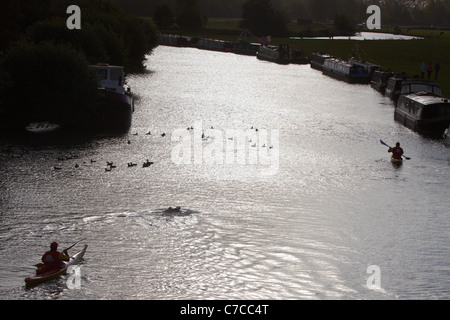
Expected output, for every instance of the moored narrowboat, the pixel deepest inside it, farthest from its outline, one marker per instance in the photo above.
(413, 86)
(379, 80)
(393, 87)
(246, 48)
(424, 113)
(318, 59)
(215, 45)
(368, 66)
(342, 70)
(117, 105)
(297, 57)
(174, 40)
(279, 54)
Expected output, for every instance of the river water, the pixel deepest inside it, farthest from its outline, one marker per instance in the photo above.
(305, 207)
(361, 36)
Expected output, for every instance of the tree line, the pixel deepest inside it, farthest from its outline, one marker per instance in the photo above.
(395, 12)
(44, 66)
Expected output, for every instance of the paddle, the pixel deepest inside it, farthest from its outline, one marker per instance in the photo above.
(74, 244)
(382, 142)
(38, 265)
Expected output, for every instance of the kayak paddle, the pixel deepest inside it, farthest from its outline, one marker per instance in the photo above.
(74, 244)
(382, 142)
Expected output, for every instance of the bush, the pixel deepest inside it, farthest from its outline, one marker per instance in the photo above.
(48, 82)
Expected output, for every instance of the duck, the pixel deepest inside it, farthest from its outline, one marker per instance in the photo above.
(163, 134)
(147, 163)
(131, 164)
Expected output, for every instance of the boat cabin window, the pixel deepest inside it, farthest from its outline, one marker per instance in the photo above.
(436, 110)
(116, 74)
(101, 74)
(394, 84)
(359, 71)
(418, 87)
(377, 77)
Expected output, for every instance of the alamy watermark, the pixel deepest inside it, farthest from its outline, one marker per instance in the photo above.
(74, 21)
(374, 21)
(74, 277)
(374, 280)
(252, 148)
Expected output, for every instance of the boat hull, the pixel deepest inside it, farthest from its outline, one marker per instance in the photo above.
(116, 111)
(424, 113)
(396, 162)
(53, 274)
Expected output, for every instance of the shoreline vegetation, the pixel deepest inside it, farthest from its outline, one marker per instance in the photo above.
(44, 66)
(394, 55)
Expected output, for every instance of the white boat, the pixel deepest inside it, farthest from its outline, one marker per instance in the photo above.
(424, 113)
(118, 101)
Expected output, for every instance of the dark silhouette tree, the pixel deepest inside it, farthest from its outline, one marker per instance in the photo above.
(163, 16)
(260, 17)
(344, 25)
(188, 14)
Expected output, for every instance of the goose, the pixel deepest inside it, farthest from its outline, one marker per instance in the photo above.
(147, 163)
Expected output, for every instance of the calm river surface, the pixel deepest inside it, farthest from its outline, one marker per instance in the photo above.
(301, 213)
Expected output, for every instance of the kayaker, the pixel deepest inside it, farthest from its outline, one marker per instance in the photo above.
(397, 152)
(53, 259)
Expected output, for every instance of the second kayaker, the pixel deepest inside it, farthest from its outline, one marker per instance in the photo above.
(53, 259)
(397, 152)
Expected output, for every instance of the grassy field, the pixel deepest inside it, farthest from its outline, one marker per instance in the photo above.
(396, 55)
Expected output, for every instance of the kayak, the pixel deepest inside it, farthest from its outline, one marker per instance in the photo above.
(397, 161)
(53, 274)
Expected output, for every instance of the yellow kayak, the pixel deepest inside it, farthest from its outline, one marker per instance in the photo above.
(53, 274)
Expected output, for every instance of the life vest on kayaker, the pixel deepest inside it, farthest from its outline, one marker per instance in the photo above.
(397, 152)
(52, 259)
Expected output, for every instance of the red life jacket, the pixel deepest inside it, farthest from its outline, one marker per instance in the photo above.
(397, 152)
(51, 260)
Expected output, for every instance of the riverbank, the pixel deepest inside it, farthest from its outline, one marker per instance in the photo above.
(396, 55)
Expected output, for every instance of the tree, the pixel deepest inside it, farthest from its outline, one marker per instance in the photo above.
(261, 18)
(37, 90)
(188, 14)
(344, 25)
(163, 16)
